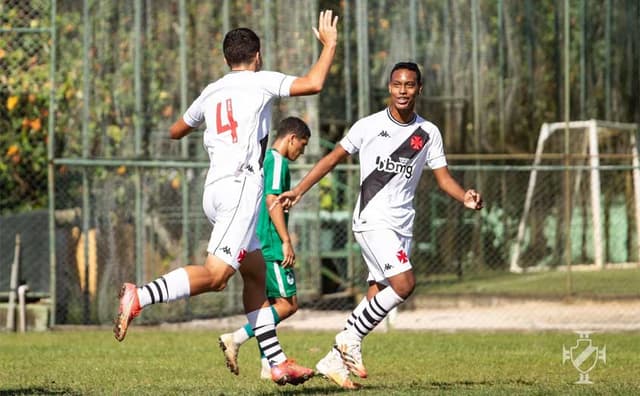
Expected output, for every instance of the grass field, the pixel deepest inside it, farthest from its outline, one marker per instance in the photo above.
(619, 283)
(155, 362)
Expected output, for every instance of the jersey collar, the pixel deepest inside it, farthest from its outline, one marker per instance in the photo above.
(415, 116)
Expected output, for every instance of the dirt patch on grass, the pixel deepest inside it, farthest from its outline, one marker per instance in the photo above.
(463, 315)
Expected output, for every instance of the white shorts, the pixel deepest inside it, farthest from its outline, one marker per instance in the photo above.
(232, 205)
(385, 252)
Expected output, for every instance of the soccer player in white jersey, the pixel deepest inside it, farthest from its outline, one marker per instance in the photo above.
(236, 110)
(394, 144)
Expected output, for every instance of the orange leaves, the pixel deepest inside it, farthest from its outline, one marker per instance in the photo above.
(35, 124)
(13, 153)
(12, 150)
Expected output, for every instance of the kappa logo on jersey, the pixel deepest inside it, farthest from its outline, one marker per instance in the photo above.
(387, 267)
(226, 250)
(402, 256)
(416, 142)
(384, 134)
(398, 167)
(241, 255)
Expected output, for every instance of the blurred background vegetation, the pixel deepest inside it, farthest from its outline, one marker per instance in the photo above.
(517, 47)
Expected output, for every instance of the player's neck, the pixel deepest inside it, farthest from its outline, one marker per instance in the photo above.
(404, 116)
(244, 67)
(280, 146)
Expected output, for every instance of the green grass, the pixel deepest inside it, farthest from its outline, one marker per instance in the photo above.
(597, 284)
(155, 362)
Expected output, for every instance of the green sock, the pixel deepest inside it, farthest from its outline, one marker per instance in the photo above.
(276, 318)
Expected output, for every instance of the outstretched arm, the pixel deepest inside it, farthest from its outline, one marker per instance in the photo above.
(327, 34)
(179, 129)
(470, 198)
(324, 166)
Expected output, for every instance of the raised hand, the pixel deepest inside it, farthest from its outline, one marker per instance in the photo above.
(327, 31)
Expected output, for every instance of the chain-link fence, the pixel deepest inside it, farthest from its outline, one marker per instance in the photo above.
(126, 201)
(451, 244)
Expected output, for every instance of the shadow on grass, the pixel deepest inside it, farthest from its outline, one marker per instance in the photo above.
(441, 385)
(38, 390)
(315, 390)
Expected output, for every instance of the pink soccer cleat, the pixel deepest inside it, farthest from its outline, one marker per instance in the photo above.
(129, 309)
(289, 372)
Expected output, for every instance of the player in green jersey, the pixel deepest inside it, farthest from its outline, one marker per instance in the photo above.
(291, 139)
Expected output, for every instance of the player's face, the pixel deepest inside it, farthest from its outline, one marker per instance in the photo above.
(296, 147)
(404, 87)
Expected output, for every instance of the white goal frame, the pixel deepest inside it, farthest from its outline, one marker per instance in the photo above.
(592, 127)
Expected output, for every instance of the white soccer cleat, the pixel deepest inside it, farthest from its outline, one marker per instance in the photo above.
(350, 351)
(333, 368)
(230, 350)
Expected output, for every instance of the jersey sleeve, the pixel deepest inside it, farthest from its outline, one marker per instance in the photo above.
(435, 154)
(276, 169)
(276, 83)
(352, 141)
(194, 116)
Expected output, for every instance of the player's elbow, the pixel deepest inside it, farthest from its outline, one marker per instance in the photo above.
(174, 133)
(315, 87)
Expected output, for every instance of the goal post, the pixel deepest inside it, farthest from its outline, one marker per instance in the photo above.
(593, 131)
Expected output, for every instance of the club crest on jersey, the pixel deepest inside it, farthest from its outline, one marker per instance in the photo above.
(400, 167)
(416, 142)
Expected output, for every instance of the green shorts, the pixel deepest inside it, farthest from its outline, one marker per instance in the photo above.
(281, 282)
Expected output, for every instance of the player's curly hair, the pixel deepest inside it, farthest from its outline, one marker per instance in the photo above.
(240, 46)
(409, 66)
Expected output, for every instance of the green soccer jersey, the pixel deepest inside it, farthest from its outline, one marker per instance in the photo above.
(276, 181)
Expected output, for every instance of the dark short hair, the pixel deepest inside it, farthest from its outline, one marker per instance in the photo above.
(409, 66)
(293, 125)
(240, 46)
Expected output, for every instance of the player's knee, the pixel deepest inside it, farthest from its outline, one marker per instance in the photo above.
(218, 285)
(217, 281)
(406, 288)
(293, 308)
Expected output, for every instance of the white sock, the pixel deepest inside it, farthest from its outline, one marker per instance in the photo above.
(356, 311)
(240, 336)
(265, 330)
(170, 287)
(373, 313)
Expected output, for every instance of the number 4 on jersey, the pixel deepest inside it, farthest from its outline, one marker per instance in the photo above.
(231, 125)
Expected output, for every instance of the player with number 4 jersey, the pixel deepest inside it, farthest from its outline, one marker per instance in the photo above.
(236, 110)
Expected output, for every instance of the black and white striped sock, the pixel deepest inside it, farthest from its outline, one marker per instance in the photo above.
(172, 286)
(373, 313)
(264, 329)
(356, 311)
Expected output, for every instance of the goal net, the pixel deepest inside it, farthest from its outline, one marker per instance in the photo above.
(604, 200)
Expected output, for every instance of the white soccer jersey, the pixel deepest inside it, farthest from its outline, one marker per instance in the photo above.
(237, 112)
(392, 158)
